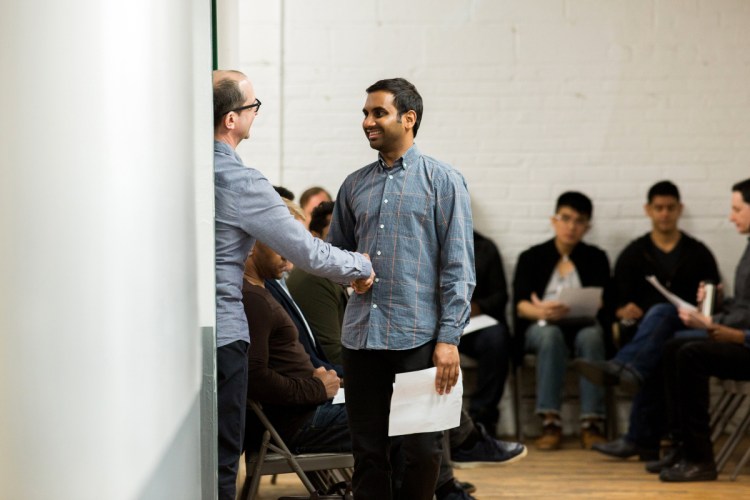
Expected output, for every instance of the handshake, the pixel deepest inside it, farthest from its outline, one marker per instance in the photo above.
(362, 285)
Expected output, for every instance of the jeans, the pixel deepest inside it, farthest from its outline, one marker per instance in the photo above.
(327, 431)
(549, 344)
(489, 347)
(231, 385)
(369, 384)
(643, 354)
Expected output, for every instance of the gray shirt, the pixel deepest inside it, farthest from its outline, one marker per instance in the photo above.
(248, 208)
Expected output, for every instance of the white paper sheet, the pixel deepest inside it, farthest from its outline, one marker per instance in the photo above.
(674, 299)
(417, 407)
(339, 397)
(479, 322)
(583, 302)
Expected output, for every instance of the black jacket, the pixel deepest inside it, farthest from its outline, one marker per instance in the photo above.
(491, 292)
(533, 271)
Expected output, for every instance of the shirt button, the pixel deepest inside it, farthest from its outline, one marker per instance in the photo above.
(385, 201)
(374, 306)
(382, 226)
(390, 177)
(377, 280)
(378, 252)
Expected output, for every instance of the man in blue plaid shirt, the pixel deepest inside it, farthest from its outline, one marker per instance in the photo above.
(412, 215)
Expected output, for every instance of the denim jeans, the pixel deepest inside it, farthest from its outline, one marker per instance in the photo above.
(643, 354)
(327, 431)
(552, 353)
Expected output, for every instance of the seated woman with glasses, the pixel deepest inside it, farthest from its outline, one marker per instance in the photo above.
(544, 325)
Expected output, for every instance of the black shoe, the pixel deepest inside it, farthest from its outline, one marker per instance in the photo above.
(467, 486)
(622, 448)
(684, 471)
(452, 491)
(486, 452)
(671, 457)
(608, 373)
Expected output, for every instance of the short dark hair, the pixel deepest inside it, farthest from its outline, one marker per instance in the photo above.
(310, 192)
(663, 188)
(284, 192)
(405, 97)
(227, 96)
(319, 216)
(577, 201)
(743, 187)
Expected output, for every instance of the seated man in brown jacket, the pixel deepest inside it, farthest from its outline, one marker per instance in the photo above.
(295, 396)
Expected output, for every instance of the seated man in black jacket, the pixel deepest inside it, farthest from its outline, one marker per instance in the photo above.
(490, 346)
(542, 272)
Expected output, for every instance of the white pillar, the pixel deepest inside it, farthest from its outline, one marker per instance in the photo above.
(101, 112)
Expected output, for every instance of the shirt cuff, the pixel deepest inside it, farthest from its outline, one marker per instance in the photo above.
(449, 335)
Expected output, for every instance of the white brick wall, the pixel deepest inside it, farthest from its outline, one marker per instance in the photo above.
(526, 97)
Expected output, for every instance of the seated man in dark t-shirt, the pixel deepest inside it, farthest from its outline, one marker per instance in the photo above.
(680, 263)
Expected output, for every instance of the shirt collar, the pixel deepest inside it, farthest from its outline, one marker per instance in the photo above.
(223, 147)
(407, 160)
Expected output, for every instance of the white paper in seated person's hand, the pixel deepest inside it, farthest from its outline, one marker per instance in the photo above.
(582, 302)
(417, 407)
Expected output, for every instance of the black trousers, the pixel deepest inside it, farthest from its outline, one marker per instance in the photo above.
(688, 364)
(369, 385)
(231, 386)
(490, 347)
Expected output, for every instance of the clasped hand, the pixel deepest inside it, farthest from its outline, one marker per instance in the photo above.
(362, 285)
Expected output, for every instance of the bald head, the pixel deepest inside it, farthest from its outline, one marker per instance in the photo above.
(233, 113)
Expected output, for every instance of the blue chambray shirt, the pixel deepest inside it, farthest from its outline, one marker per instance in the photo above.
(414, 220)
(248, 208)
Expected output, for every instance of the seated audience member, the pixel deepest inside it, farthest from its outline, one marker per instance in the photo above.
(319, 298)
(640, 359)
(689, 364)
(295, 395)
(311, 198)
(680, 263)
(543, 324)
(490, 346)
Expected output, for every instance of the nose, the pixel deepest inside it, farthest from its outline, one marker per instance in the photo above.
(368, 121)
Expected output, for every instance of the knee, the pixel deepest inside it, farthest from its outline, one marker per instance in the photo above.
(661, 310)
(590, 343)
(550, 338)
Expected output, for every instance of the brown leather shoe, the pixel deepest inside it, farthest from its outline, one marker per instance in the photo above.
(590, 436)
(550, 438)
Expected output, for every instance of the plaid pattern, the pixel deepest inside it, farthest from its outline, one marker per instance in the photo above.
(414, 220)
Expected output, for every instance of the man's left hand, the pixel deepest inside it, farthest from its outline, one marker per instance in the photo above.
(446, 360)
(694, 319)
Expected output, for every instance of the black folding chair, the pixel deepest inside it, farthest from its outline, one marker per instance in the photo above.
(320, 473)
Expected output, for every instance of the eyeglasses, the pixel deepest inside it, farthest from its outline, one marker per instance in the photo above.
(567, 219)
(255, 105)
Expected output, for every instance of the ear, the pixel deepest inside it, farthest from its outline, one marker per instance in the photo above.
(408, 119)
(679, 209)
(645, 210)
(230, 120)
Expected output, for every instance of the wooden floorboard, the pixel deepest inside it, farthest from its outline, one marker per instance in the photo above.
(569, 473)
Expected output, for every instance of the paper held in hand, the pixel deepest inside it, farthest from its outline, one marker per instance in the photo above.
(674, 299)
(478, 323)
(583, 302)
(417, 407)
